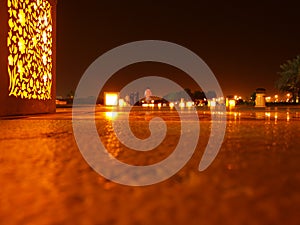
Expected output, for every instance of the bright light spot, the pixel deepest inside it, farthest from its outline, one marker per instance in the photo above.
(45, 78)
(111, 98)
(189, 104)
(22, 17)
(111, 115)
(231, 103)
(268, 99)
(21, 45)
(44, 58)
(171, 105)
(45, 37)
(181, 104)
(212, 103)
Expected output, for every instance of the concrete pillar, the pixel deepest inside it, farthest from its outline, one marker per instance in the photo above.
(28, 56)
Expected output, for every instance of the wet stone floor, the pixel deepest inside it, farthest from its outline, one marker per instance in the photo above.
(255, 178)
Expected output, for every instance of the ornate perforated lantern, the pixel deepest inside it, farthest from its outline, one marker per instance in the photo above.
(27, 61)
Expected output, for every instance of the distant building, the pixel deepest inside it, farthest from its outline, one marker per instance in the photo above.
(136, 97)
(131, 96)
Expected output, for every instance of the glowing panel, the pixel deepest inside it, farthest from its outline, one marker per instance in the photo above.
(30, 49)
(111, 98)
(231, 103)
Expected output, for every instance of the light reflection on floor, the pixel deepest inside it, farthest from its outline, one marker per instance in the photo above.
(255, 179)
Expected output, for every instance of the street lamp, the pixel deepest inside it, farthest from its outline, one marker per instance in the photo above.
(288, 97)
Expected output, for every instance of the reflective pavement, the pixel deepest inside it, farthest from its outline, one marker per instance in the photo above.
(255, 178)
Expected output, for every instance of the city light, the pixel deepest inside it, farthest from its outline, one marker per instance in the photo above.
(268, 99)
(181, 104)
(111, 98)
(288, 96)
(231, 103)
(189, 104)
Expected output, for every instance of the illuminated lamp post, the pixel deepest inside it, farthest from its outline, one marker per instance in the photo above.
(288, 96)
(28, 56)
(276, 98)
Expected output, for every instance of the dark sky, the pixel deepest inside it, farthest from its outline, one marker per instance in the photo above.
(242, 42)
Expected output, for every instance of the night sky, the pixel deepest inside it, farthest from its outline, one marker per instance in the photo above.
(242, 42)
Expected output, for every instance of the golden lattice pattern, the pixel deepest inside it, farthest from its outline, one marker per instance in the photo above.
(30, 49)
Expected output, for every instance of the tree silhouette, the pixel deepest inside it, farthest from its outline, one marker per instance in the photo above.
(289, 79)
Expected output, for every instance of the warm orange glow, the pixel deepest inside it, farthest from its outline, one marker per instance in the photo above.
(111, 98)
(111, 115)
(29, 43)
(268, 114)
(231, 103)
(268, 99)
